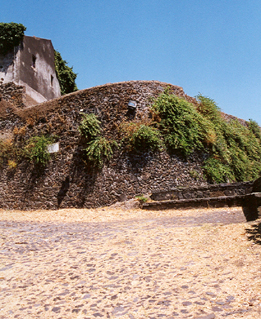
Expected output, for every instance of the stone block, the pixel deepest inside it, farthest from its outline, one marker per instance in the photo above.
(252, 206)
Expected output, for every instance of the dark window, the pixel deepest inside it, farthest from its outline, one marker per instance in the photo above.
(33, 61)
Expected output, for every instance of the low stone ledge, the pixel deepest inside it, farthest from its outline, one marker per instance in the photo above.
(219, 190)
(250, 203)
(221, 201)
(252, 206)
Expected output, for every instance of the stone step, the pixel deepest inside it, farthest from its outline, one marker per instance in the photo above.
(250, 203)
(213, 190)
(220, 201)
(252, 206)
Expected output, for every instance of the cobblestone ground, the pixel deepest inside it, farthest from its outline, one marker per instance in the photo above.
(188, 266)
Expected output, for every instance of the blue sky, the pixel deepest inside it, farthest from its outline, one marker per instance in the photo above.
(212, 47)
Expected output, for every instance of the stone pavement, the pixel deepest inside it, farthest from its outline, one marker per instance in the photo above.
(164, 267)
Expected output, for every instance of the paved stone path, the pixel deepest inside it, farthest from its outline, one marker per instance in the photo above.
(168, 267)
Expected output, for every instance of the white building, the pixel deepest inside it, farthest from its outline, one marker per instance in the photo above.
(31, 64)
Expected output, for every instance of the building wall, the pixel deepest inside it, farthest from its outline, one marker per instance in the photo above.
(7, 66)
(41, 76)
(32, 66)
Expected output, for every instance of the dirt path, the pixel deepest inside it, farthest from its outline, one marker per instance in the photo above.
(115, 263)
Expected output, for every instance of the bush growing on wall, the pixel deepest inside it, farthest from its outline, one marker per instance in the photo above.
(183, 128)
(233, 150)
(255, 129)
(90, 126)
(98, 148)
(36, 149)
(11, 34)
(236, 153)
(141, 137)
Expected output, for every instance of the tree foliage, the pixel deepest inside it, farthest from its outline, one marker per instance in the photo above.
(11, 34)
(65, 74)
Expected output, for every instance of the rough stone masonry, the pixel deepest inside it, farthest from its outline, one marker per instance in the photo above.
(67, 181)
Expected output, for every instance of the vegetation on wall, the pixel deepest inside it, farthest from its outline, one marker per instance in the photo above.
(139, 137)
(36, 149)
(142, 198)
(97, 148)
(9, 153)
(11, 34)
(65, 74)
(232, 150)
(235, 154)
(90, 126)
(183, 128)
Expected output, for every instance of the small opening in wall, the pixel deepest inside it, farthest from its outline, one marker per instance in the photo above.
(33, 61)
(132, 105)
(51, 80)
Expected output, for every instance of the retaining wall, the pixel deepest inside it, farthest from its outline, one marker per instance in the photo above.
(66, 181)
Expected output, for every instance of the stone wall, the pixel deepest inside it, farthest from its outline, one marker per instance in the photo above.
(67, 181)
(12, 93)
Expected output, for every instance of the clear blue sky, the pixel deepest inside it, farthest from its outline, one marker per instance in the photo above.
(207, 46)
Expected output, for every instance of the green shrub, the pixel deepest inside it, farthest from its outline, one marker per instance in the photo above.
(90, 127)
(208, 108)
(36, 149)
(11, 34)
(232, 150)
(12, 164)
(216, 170)
(142, 198)
(255, 129)
(194, 174)
(141, 137)
(99, 150)
(238, 151)
(183, 128)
